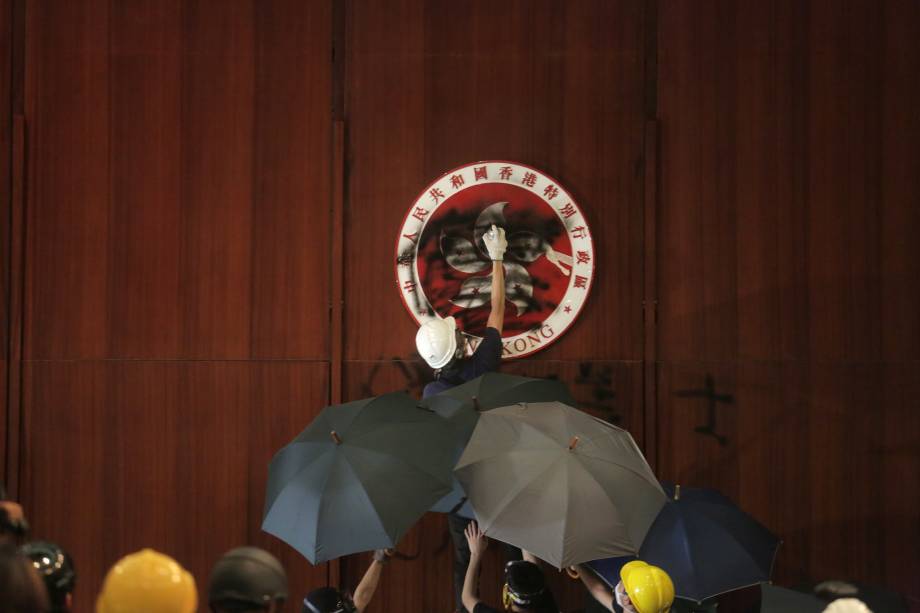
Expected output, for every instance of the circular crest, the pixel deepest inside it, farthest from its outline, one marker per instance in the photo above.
(442, 267)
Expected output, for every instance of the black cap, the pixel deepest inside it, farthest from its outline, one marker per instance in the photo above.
(327, 600)
(56, 568)
(247, 575)
(526, 585)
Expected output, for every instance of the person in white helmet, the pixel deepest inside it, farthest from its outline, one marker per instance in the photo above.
(442, 346)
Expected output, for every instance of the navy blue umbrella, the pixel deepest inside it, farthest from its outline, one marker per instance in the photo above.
(708, 545)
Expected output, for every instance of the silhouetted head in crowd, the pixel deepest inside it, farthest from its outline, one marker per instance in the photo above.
(21, 589)
(13, 524)
(56, 569)
(247, 579)
(328, 600)
(525, 589)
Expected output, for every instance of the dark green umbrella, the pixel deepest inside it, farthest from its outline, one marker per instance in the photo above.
(358, 477)
(461, 406)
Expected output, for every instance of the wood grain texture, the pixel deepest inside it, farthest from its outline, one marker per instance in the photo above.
(784, 271)
(171, 456)
(201, 133)
(6, 158)
(434, 85)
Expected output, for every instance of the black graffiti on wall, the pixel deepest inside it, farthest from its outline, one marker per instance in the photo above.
(713, 398)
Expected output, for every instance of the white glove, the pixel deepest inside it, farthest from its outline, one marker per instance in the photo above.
(622, 599)
(495, 243)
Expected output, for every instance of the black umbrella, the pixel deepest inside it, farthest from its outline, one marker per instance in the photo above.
(358, 477)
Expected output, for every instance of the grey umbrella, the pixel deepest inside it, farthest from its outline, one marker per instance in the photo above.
(461, 405)
(559, 483)
(358, 477)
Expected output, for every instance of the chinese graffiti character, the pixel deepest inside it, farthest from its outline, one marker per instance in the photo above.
(409, 286)
(456, 181)
(530, 179)
(579, 232)
(582, 257)
(505, 173)
(481, 172)
(420, 214)
(414, 236)
(581, 282)
(551, 192)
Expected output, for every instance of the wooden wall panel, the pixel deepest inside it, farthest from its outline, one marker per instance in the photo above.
(433, 85)
(169, 455)
(784, 272)
(202, 135)
(6, 159)
(67, 102)
(292, 193)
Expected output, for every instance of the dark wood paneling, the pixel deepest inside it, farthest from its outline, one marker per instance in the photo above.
(218, 93)
(784, 209)
(198, 134)
(67, 102)
(6, 150)
(433, 85)
(787, 196)
(145, 197)
(292, 224)
(170, 455)
(817, 453)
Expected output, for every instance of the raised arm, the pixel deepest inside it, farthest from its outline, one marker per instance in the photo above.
(496, 244)
(478, 543)
(365, 590)
(595, 586)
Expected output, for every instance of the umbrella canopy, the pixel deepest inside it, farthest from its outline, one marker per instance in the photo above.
(461, 406)
(559, 483)
(358, 477)
(708, 545)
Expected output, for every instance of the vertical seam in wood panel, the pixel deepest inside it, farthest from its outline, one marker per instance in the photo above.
(335, 570)
(650, 237)
(15, 431)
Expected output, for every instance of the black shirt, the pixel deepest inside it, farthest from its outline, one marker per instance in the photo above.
(481, 607)
(486, 358)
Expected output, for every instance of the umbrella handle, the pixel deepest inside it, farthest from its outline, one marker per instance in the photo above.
(335, 437)
(571, 572)
(573, 443)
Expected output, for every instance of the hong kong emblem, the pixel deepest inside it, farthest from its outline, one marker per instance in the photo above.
(442, 267)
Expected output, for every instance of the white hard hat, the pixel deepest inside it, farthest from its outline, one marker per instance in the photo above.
(847, 605)
(436, 341)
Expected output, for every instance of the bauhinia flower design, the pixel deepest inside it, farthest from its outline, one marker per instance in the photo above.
(470, 257)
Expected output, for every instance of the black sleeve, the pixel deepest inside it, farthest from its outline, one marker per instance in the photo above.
(488, 355)
(481, 607)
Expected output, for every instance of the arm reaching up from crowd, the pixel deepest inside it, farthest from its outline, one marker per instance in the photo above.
(365, 590)
(478, 543)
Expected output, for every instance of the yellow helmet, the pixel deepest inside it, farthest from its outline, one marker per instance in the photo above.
(147, 582)
(649, 588)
